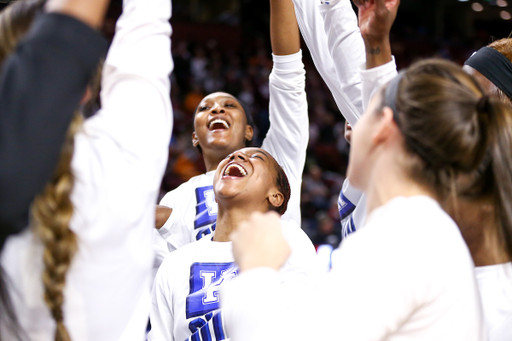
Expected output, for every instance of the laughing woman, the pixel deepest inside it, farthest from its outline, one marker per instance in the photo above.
(187, 287)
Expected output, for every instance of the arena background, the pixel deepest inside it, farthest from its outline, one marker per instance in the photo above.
(223, 45)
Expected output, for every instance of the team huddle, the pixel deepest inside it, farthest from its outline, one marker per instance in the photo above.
(425, 211)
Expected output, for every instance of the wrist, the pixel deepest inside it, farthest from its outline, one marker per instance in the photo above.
(377, 53)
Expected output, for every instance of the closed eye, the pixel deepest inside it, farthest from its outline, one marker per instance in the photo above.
(202, 108)
(257, 156)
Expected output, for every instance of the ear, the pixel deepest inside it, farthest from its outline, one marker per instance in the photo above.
(195, 139)
(275, 198)
(385, 128)
(249, 133)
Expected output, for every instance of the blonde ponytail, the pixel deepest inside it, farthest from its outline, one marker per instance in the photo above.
(52, 211)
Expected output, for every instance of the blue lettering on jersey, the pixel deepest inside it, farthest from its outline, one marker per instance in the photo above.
(209, 329)
(206, 231)
(206, 208)
(345, 207)
(205, 282)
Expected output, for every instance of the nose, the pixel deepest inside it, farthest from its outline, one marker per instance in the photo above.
(238, 155)
(217, 109)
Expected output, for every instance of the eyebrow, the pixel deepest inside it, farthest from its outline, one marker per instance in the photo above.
(261, 151)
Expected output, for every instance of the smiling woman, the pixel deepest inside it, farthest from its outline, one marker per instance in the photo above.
(247, 181)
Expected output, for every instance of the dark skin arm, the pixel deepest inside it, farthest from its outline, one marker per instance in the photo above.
(376, 17)
(162, 215)
(284, 30)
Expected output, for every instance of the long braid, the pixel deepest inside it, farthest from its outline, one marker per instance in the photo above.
(52, 211)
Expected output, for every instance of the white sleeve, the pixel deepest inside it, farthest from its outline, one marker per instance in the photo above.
(288, 135)
(342, 79)
(125, 145)
(346, 46)
(373, 79)
(161, 315)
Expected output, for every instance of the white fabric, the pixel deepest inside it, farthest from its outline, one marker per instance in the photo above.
(188, 284)
(119, 160)
(394, 280)
(338, 56)
(495, 284)
(352, 201)
(193, 203)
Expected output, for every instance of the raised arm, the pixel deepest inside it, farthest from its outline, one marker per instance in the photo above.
(284, 30)
(288, 135)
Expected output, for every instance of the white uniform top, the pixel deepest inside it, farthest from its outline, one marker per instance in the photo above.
(337, 49)
(187, 286)
(119, 159)
(193, 203)
(352, 201)
(394, 280)
(495, 284)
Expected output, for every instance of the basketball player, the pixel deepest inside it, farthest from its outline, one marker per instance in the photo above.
(83, 270)
(222, 126)
(186, 297)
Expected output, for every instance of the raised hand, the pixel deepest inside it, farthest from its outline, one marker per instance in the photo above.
(259, 242)
(375, 20)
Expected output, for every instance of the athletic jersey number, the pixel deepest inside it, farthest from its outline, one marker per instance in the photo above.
(206, 208)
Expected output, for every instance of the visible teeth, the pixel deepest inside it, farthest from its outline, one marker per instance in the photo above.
(240, 168)
(218, 120)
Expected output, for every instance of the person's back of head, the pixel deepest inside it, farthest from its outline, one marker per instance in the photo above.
(461, 137)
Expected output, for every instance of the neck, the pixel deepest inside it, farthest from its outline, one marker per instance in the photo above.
(211, 163)
(229, 218)
(388, 182)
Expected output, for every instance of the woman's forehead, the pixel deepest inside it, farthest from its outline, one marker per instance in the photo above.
(218, 96)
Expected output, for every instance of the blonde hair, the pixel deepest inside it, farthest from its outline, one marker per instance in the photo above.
(52, 211)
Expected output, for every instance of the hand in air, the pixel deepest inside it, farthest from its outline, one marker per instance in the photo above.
(376, 18)
(259, 242)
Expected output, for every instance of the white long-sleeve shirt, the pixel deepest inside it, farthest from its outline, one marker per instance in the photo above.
(119, 160)
(186, 295)
(336, 51)
(394, 280)
(193, 203)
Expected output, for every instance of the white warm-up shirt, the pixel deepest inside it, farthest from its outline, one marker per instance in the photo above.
(186, 295)
(352, 201)
(193, 203)
(118, 163)
(495, 284)
(337, 50)
(393, 280)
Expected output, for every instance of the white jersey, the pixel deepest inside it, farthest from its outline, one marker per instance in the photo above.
(394, 280)
(193, 203)
(107, 291)
(495, 284)
(187, 287)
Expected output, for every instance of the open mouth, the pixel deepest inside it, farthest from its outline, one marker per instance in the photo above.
(218, 123)
(235, 170)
